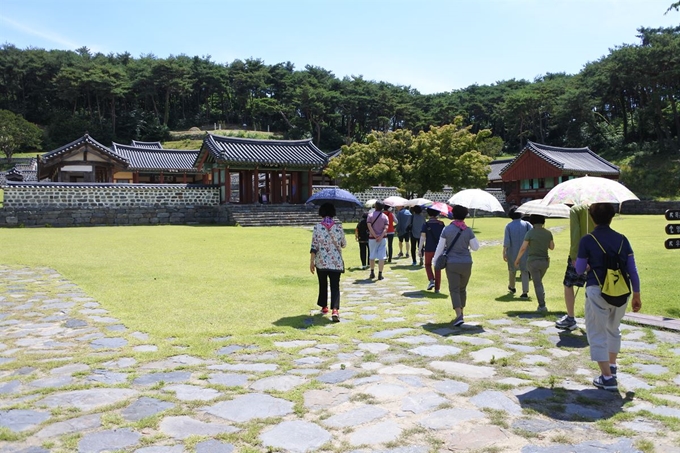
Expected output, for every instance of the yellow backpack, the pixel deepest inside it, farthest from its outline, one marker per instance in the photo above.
(615, 287)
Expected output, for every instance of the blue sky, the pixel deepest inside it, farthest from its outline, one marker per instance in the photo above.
(430, 45)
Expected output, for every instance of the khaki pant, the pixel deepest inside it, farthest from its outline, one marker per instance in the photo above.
(458, 275)
(602, 325)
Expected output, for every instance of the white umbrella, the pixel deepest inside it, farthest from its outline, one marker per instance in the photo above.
(546, 210)
(589, 190)
(395, 200)
(418, 202)
(370, 203)
(476, 199)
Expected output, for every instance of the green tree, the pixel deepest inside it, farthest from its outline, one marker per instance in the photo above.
(17, 134)
(447, 155)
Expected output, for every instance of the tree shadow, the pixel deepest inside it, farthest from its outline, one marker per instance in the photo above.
(447, 329)
(558, 403)
(302, 322)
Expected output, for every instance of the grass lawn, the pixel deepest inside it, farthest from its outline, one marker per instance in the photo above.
(185, 284)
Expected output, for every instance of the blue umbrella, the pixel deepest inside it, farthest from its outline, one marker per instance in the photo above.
(338, 197)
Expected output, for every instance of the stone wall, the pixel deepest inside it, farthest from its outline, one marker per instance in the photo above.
(58, 217)
(648, 207)
(61, 204)
(88, 196)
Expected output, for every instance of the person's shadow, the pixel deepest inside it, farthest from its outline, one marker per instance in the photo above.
(303, 321)
(589, 404)
(446, 329)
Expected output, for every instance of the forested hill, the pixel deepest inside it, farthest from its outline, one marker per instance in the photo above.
(623, 106)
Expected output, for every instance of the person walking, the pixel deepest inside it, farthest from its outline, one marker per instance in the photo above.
(536, 243)
(417, 222)
(580, 224)
(328, 240)
(391, 222)
(361, 236)
(429, 238)
(514, 237)
(603, 320)
(460, 239)
(403, 232)
(377, 242)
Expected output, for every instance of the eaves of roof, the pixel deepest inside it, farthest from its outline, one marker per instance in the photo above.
(155, 159)
(266, 153)
(84, 140)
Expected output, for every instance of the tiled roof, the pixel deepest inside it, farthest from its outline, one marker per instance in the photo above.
(156, 158)
(272, 153)
(26, 172)
(496, 167)
(579, 160)
(84, 140)
(147, 145)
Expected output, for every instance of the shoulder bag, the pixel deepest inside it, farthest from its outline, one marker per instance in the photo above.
(441, 260)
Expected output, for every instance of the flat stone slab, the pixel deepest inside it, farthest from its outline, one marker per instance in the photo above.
(380, 433)
(356, 417)
(107, 343)
(468, 339)
(417, 339)
(214, 446)
(108, 377)
(391, 333)
(74, 425)
(248, 367)
(422, 402)
(162, 449)
(486, 355)
(185, 392)
(451, 387)
(86, 400)
(337, 376)
(621, 446)
(280, 383)
(294, 344)
(145, 407)
(449, 418)
(386, 391)
(18, 420)
(496, 400)
(111, 440)
(375, 348)
(322, 399)
(183, 426)
(228, 379)
(463, 369)
(70, 369)
(435, 350)
(155, 378)
(295, 436)
(251, 406)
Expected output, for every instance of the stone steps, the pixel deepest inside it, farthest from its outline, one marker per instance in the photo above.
(274, 215)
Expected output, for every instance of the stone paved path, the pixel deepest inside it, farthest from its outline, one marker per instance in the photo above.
(509, 384)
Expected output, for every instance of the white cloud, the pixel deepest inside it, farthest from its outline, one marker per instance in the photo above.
(44, 34)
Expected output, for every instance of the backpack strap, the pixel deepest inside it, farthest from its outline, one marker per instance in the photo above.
(605, 254)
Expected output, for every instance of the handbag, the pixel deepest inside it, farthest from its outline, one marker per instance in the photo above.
(440, 263)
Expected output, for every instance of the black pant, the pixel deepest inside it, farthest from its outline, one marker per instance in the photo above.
(363, 253)
(390, 238)
(415, 242)
(334, 278)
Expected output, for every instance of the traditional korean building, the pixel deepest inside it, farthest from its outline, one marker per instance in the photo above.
(81, 161)
(538, 168)
(273, 171)
(86, 160)
(151, 163)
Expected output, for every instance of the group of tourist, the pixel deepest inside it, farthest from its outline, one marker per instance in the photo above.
(525, 249)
